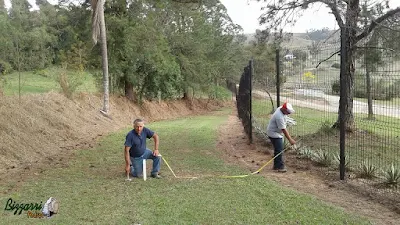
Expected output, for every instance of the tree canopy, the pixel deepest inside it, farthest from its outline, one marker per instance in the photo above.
(278, 14)
(156, 49)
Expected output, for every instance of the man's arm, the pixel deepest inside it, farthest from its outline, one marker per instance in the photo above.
(127, 160)
(156, 140)
(287, 135)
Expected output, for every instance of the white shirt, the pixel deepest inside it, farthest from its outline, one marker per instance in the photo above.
(276, 124)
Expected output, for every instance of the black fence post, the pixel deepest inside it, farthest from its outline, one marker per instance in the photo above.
(243, 100)
(343, 97)
(278, 80)
(251, 71)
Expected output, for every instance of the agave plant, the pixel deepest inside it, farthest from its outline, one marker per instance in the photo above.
(392, 176)
(346, 164)
(306, 152)
(368, 170)
(323, 158)
(296, 147)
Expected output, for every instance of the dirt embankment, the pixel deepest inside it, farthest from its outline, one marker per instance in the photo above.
(42, 129)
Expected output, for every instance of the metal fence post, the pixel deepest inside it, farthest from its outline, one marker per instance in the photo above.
(251, 71)
(278, 81)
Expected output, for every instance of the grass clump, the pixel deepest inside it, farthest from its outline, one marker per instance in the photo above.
(326, 128)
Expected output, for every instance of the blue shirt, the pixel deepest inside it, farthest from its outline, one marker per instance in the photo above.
(138, 142)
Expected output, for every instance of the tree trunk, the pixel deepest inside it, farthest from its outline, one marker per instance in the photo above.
(129, 91)
(347, 71)
(104, 57)
(2, 7)
(185, 94)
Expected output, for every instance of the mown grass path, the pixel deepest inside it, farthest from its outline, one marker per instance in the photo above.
(92, 190)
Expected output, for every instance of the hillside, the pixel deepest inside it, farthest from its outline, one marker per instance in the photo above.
(302, 40)
(44, 129)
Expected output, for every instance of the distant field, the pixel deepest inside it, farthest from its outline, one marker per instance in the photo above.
(43, 81)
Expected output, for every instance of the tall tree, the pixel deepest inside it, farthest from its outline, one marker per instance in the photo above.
(2, 6)
(206, 57)
(140, 56)
(6, 44)
(346, 13)
(370, 50)
(99, 32)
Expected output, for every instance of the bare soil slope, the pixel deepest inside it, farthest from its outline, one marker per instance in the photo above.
(40, 130)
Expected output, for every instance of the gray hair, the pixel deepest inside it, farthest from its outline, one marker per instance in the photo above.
(137, 121)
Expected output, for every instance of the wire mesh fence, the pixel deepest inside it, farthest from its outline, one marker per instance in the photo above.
(309, 80)
(244, 100)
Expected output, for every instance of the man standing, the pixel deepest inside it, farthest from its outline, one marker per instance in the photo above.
(136, 151)
(277, 127)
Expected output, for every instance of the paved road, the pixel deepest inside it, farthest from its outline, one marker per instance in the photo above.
(333, 103)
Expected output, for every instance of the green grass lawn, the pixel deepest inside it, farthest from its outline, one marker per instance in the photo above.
(42, 81)
(92, 190)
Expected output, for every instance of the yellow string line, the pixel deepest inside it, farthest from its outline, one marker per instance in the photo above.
(168, 166)
(237, 176)
(256, 172)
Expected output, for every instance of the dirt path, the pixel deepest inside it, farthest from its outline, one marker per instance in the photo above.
(301, 175)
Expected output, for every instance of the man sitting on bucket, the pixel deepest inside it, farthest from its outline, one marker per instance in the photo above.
(136, 151)
(277, 127)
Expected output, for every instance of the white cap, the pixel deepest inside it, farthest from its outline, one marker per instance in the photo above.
(288, 107)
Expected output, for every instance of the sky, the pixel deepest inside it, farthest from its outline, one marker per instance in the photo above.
(246, 13)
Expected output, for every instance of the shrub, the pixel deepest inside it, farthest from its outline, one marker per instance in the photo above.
(394, 89)
(367, 170)
(219, 92)
(380, 89)
(5, 68)
(326, 127)
(69, 82)
(392, 176)
(336, 87)
(336, 65)
(42, 72)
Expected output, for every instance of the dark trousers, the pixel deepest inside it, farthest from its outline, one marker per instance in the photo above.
(137, 163)
(278, 148)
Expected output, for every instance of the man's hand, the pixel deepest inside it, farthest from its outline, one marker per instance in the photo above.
(155, 152)
(292, 141)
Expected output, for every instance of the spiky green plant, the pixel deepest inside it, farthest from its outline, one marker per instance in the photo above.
(346, 164)
(296, 147)
(306, 152)
(392, 176)
(323, 158)
(368, 170)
